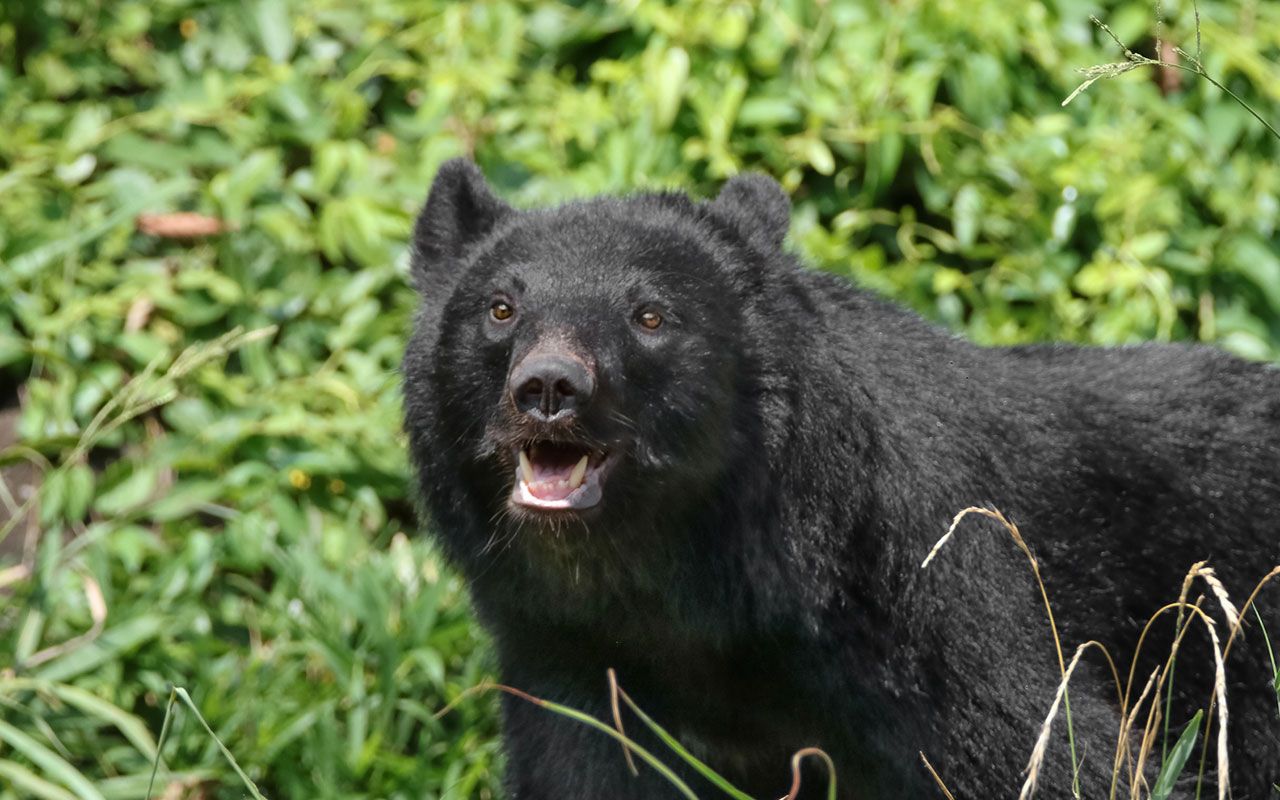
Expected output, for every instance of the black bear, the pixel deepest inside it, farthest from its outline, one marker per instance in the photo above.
(652, 440)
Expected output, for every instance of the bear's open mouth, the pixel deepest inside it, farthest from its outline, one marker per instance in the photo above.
(558, 476)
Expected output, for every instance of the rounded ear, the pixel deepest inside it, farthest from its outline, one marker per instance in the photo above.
(460, 210)
(756, 205)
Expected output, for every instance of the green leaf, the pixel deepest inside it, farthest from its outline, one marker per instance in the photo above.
(184, 499)
(966, 211)
(40, 256)
(1259, 262)
(132, 787)
(668, 86)
(32, 784)
(52, 764)
(130, 493)
(819, 155)
(80, 480)
(130, 148)
(1172, 767)
(130, 726)
(271, 23)
(768, 112)
(110, 645)
(133, 728)
(53, 497)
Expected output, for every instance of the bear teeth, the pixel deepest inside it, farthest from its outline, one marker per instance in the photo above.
(551, 480)
(526, 468)
(579, 472)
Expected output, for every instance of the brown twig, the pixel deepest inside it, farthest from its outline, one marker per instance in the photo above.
(796, 760)
(937, 778)
(617, 719)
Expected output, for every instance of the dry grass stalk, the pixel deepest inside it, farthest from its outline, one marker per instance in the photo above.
(1042, 741)
(996, 515)
(617, 719)
(800, 756)
(1220, 693)
(1220, 592)
(937, 778)
(1226, 651)
(1122, 744)
(10, 575)
(1181, 605)
(1126, 726)
(1274, 573)
(1016, 535)
(1154, 715)
(1220, 689)
(1139, 780)
(97, 614)
(1129, 716)
(180, 225)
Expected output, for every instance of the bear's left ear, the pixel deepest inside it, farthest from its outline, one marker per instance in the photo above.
(460, 210)
(756, 205)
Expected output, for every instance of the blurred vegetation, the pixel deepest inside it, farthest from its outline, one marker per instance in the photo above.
(245, 530)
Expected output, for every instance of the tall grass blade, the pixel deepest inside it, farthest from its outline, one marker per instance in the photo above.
(1172, 767)
(1271, 655)
(24, 780)
(179, 693)
(109, 646)
(53, 764)
(235, 765)
(164, 734)
(645, 755)
(675, 746)
(130, 726)
(585, 719)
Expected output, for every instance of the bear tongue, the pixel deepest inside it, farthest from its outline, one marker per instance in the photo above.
(552, 479)
(549, 491)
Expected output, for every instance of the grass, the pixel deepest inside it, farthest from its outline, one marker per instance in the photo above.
(179, 693)
(1266, 638)
(354, 640)
(1173, 761)
(615, 732)
(1137, 60)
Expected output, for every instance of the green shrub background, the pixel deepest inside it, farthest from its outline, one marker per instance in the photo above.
(251, 536)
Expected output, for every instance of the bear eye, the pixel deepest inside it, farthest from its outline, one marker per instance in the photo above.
(649, 319)
(501, 310)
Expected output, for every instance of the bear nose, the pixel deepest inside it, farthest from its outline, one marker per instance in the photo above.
(550, 386)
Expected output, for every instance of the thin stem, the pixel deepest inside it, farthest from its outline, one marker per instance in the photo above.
(1271, 655)
(1247, 107)
(1200, 71)
(164, 733)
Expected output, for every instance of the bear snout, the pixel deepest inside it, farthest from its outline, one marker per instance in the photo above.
(551, 386)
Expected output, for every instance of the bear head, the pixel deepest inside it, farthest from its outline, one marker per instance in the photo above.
(585, 379)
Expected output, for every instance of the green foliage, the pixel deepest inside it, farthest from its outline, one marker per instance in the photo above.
(1172, 767)
(1271, 656)
(243, 535)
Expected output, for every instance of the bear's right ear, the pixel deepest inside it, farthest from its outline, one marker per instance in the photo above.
(460, 210)
(756, 205)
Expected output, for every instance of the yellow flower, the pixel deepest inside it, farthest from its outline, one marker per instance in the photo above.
(299, 479)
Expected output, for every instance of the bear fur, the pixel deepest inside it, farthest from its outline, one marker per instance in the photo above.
(787, 448)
